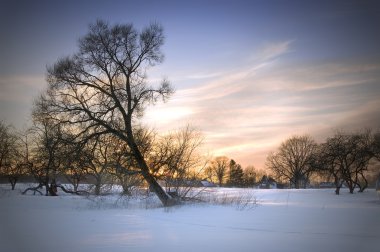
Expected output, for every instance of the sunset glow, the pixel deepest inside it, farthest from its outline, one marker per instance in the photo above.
(247, 74)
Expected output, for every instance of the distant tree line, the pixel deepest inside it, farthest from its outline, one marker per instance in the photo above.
(226, 172)
(348, 158)
(46, 153)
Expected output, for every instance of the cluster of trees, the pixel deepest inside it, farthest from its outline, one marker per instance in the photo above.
(226, 172)
(47, 153)
(346, 157)
(97, 95)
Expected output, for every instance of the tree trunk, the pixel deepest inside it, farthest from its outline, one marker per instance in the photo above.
(338, 185)
(337, 190)
(52, 188)
(153, 184)
(13, 181)
(97, 188)
(362, 188)
(165, 199)
(126, 191)
(75, 186)
(150, 179)
(47, 188)
(296, 184)
(351, 186)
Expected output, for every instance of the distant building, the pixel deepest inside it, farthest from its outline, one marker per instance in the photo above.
(303, 182)
(326, 185)
(206, 183)
(267, 182)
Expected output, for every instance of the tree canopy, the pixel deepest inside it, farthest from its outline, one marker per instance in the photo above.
(103, 88)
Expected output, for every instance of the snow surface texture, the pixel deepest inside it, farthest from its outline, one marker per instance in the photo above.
(284, 220)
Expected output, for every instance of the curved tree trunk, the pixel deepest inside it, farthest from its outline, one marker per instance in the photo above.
(363, 187)
(351, 186)
(151, 180)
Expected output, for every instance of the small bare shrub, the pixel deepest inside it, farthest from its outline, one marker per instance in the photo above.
(241, 201)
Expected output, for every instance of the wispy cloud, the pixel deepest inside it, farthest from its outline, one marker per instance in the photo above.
(322, 76)
(17, 93)
(273, 50)
(247, 112)
(198, 76)
(233, 81)
(18, 88)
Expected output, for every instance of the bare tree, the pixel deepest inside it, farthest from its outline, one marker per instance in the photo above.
(74, 164)
(327, 162)
(293, 159)
(250, 176)
(346, 157)
(98, 154)
(176, 161)
(7, 152)
(103, 87)
(13, 159)
(47, 156)
(218, 169)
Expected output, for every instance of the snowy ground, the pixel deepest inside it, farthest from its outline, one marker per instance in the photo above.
(284, 220)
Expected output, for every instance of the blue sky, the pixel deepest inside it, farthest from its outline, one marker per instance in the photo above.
(248, 74)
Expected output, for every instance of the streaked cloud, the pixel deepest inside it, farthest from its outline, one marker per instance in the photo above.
(272, 50)
(247, 112)
(203, 75)
(17, 93)
(17, 88)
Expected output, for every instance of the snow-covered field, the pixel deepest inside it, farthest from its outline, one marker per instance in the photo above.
(283, 220)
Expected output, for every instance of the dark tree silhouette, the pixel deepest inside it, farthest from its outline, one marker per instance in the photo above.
(218, 169)
(48, 141)
(103, 87)
(293, 160)
(235, 174)
(13, 159)
(346, 157)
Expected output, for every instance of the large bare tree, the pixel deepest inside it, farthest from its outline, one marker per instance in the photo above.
(103, 87)
(293, 159)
